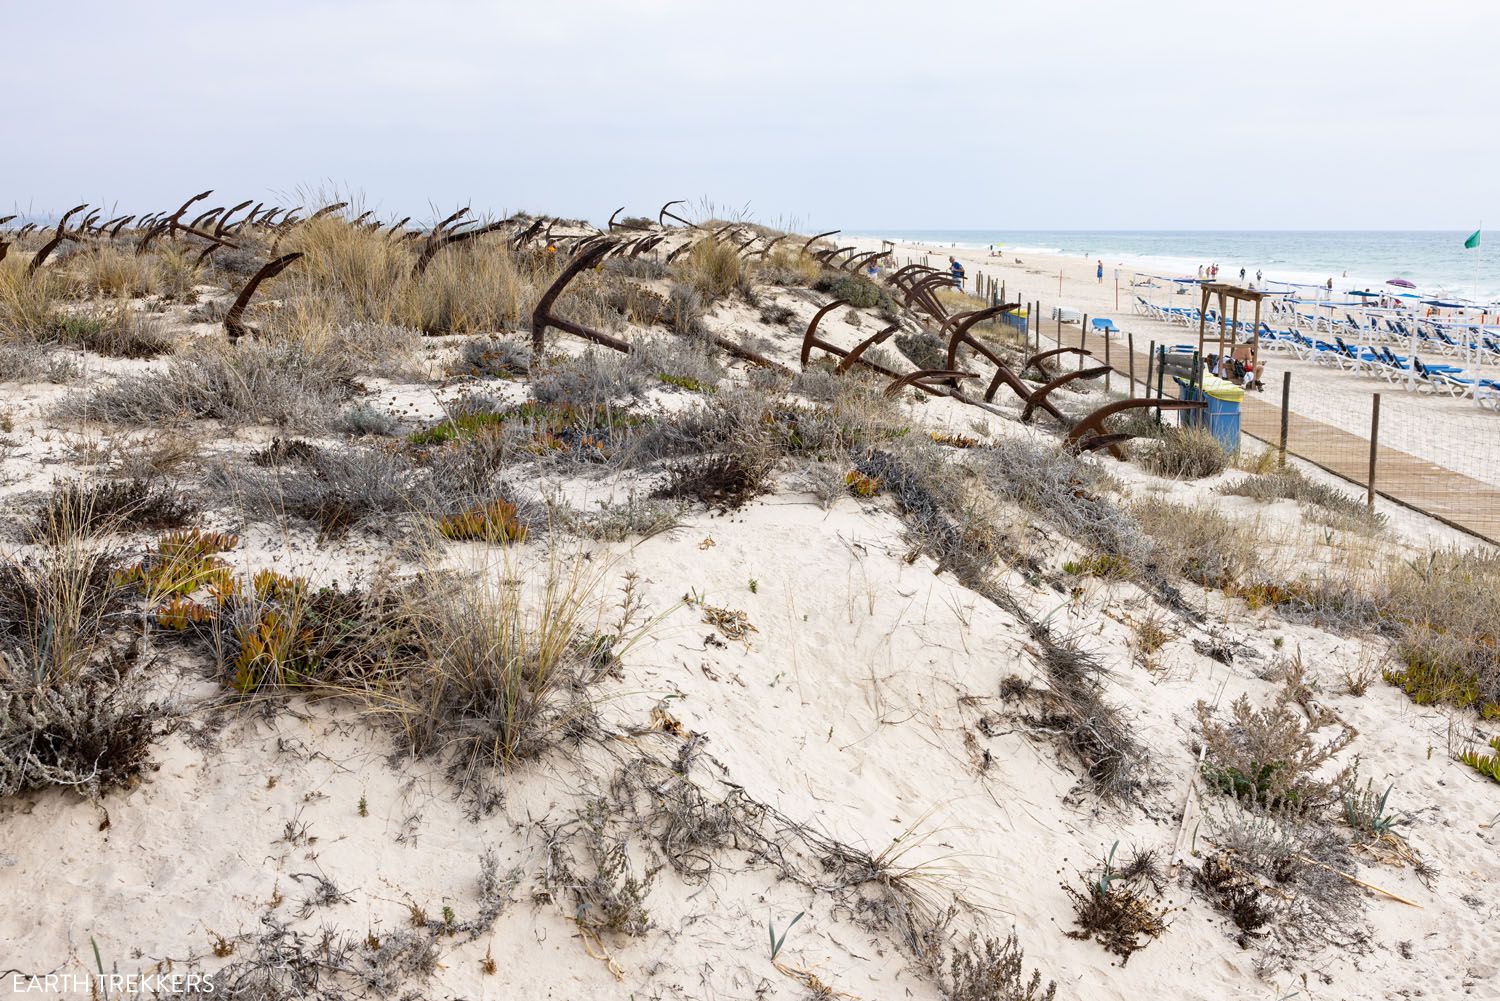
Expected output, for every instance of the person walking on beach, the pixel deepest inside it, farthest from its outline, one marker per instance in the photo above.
(1257, 278)
(956, 271)
(1200, 272)
(1242, 276)
(1099, 271)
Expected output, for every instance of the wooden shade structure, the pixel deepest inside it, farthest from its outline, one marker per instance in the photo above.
(1239, 295)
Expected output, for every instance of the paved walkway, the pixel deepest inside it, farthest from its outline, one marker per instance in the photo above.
(1449, 496)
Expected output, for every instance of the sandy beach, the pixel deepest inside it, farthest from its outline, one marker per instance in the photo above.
(1450, 432)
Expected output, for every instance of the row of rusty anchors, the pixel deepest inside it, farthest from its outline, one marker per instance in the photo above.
(593, 255)
(956, 330)
(934, 382)
(1089, 433)
(918, 285)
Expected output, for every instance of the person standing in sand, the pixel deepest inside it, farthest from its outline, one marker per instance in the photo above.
(1099, 271)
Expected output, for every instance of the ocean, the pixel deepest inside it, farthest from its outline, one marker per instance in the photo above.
(1435, 261)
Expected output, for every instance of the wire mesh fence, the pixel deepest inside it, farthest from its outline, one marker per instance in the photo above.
(1436, 453)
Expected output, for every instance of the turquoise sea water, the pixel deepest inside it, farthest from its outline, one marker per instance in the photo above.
(1435, 261)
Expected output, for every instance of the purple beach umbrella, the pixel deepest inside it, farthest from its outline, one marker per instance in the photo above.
(1401, 282)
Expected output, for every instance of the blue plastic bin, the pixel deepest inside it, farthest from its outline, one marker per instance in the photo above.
(1223, 414)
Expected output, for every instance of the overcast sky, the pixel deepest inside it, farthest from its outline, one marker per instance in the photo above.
(1019, 115)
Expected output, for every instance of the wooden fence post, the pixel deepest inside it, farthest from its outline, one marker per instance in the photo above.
(1130, 348)
(1374, 447)
(1111, 371)
(1286, 395)
(1083, 337)
(1161, 368)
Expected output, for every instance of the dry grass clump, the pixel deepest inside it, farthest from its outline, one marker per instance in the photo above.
(177, 273)
(1290, 483)
(617, 520)
(789, 267)
(946, 513)
(497, 668)
(280, 963)
(603, 891)
(256, 382)
(334, 489)
(1093, 729)
(482, 670)
(1202, 544)
(713, 268)
(1278, 880)
(28, 302)
(726, 482)
(494, 357)
(362, 419)
(38, 310)
(994, 971)
(1272, 757)
(77, 508)
(1186, 453)
(1065, 489)
(1120, 908)
(113, 272)
(354, 275)
(1444, 609)
(684, 313)
(595, 378)
(117, 333)
(73, 710)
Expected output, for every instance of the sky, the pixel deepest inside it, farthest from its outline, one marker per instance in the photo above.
(1157, 114)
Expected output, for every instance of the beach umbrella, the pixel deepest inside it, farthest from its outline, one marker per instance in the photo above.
(1400, 282)
(1372, 295)
(1441, 303)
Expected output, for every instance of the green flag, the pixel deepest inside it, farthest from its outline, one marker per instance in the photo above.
(1472, 241)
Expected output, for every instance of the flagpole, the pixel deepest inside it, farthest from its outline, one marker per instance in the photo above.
(1479, 347)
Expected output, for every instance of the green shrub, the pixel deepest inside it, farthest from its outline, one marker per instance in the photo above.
(1484, 764)
(856, 290)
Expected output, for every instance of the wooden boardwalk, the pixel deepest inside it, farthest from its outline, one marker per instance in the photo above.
(1451, 497)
